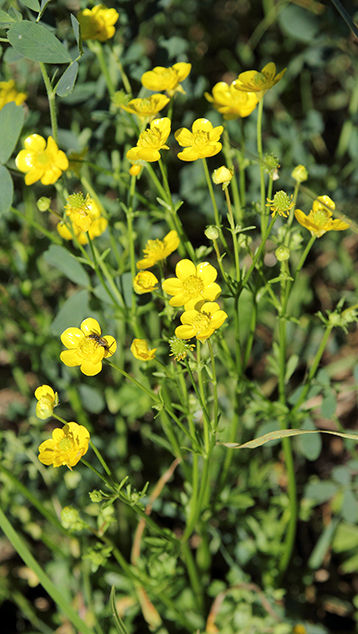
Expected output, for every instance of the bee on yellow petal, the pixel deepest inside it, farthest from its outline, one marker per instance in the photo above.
(87, 347)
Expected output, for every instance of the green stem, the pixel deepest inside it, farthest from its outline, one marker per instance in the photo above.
(193, 574)
(234, 236)
(96, 48)
(215, 207)
(51, 100)
(233, 183)
(215, 387)
(258, 252)
(262, 174)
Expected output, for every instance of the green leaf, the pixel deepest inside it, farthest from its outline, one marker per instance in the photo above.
(285, 433)
(329, 405)
(323, 545)
(11, 122)
(119, 625)
(72, 312)
(77, 32)
(67, 81)
(299, 23)
(32, 4)
(310, 446)
(6, 189)
(349, 508)
(5, 17)
(25, 554)
(37, 43)
(91, 398)
(64, 261)
(44, 4)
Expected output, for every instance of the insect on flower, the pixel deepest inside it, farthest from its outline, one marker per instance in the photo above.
(100, 341)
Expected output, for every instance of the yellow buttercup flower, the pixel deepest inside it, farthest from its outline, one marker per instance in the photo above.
(319, 220)
(66, 447)
(87, 347)
(97, 23)
(192, 284)
(140, 350)
(168, 79)
(222, 176)
(40, 161)
(78, 210)
(47, 400)
(97, 227)
(230, 102)
(157, 250)
(203, 141)
(151, 141)
(145, 108)
(9, 93)
(201, 322)
(259, 82)
(145, 282)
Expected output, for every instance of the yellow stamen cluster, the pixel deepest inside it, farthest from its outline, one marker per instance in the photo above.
(280, 204)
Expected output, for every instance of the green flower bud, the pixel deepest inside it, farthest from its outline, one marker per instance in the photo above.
(212, 232)
(299, 173)
(43, 203)
(282, 253)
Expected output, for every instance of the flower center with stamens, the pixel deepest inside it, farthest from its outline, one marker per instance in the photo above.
(320, 217)
(201, 322)
(154, 247)
(193, 285)
(200, 139)
(65, 444)
(87, 347)
(42, 158)
(150, 138)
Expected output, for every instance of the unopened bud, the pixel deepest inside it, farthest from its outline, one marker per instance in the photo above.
(282, 253)
(212, 232)
(43, 203)
(299, 173)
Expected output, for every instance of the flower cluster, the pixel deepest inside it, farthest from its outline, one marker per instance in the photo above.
(87, 347)
(319, 220)
(41, 161)
(9, 93)
(194, 287)
(85, 217)
(97, 23)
